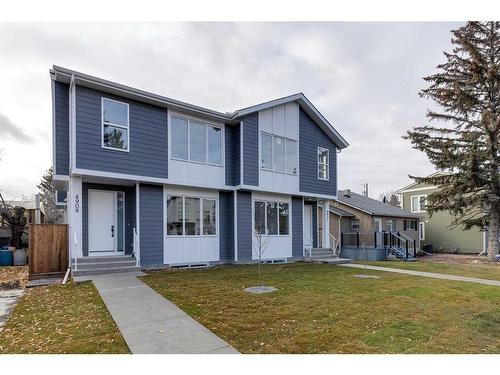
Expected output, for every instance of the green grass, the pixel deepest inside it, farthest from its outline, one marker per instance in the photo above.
(69, 318)
(468, 270)
(325, 309)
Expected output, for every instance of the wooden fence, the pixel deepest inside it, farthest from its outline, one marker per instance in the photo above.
(48, 249)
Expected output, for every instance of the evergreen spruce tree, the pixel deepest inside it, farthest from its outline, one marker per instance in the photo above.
(53, 214)
(466, 91)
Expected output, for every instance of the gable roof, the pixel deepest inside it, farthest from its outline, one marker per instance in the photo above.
(307, 107)
(373, 206)
(413, 184)
(65, 75)
(340, 212)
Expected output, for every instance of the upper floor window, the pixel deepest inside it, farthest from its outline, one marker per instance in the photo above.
(115, 125)
(195, 141)
(278, 154)
(323, 163)
(418, 203)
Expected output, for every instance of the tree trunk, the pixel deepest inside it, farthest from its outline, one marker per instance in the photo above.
(493, 235)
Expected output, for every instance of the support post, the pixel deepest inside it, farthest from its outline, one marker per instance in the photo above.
(406, 248)
(414, 248)
(374, 240)
(341, 240)
(357, 240)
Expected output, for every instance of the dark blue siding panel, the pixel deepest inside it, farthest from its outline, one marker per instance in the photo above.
(244, 223)
(232, 147)
(226, 225)
(297, 227)
(61, 133)
(151, 222)
(311, 136)
(129, 213)
(315, 224)
(251, 149)
(148, 154)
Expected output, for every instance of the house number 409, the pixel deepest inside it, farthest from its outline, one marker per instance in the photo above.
(77, 203)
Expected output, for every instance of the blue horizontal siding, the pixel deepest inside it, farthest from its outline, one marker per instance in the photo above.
(226, 225)
(151, 224)
(244, 225)
(232, 147)
(297, 227)
(148, 153)
(311, 136)
(251, 149)
(61, 131)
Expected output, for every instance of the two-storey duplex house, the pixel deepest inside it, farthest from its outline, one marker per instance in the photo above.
(171, 183)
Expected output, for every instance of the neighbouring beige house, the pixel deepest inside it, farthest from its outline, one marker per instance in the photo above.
(359, 221)
(436, 231)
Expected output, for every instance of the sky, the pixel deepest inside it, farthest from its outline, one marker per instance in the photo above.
(363, 77)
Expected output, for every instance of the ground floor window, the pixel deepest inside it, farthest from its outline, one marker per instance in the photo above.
(191, 216)
(272, 218)
(410, 224)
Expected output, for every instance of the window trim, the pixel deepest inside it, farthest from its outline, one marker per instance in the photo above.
(206, 125)
(421, 231)
(352, 224)
(285, 139)
(277, 201)
(103, 98)
(419, 197)
(327, 163)
(201, 199)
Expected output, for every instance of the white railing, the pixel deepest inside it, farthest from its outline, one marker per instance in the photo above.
(71, 253)
(308, 248)
(334, 245)
(136, 248)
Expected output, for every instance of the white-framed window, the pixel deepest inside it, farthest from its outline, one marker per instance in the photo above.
(418, 203)
(196, 141)
(191, 216)
(323, 163)
(410, 225)
(115, 124)
(278, 154)
(272, 218)
(355, 224)
(421, 232)
(377, 224)
(390, 226)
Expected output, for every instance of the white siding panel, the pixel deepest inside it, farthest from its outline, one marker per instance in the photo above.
(292, 120)
(266, 120)
(279, 120)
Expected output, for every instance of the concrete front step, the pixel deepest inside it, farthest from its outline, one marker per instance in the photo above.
(105, 265)
(103, 271)
(105, 259)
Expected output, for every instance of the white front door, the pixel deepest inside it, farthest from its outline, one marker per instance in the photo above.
(308, 226)
(102, 222)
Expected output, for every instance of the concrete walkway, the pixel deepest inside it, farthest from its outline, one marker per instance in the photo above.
(425, 274)
(8, 299)
(149, 322)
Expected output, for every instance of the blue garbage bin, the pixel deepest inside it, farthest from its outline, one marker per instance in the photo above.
(6, 258)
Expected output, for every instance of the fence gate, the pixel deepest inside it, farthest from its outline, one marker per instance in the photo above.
(48, 249)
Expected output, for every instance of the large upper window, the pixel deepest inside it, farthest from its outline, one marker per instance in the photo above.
(271, 218)
(115, 125)
(323, 163)
(187, 216)
(278, 154)
(195, 141)
(418, 203)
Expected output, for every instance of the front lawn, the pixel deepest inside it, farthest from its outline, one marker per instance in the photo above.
(469, 270)
(13, 276)
(325, 309)
(69, 318)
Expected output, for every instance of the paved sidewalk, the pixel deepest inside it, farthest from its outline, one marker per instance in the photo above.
(149, 322)
(426, 274)
(8, 299)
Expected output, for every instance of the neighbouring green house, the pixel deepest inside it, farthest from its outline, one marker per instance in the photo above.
(436, 231)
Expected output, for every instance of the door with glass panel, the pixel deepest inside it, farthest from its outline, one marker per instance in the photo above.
(106, 222)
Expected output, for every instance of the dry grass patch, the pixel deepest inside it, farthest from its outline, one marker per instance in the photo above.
(325, 309)
(13, 277)
(69, 318)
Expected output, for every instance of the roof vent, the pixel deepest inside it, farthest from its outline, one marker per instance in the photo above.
(347, 193)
